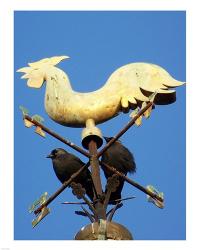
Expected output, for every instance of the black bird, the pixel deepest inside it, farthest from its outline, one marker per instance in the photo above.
(66, 164)
(119, 157)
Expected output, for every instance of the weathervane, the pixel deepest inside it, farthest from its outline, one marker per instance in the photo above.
(136, 86)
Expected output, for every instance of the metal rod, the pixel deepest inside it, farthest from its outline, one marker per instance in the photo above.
(124, 199)
(57, 136)
(133, 183)
(65, 185)
(73, 203)
(84, 203)
(95, 170)
(130, 123)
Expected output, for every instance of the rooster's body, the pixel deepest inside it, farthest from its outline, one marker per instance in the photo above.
(126, 88)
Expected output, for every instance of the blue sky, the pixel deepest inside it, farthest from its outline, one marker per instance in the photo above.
(98, 43)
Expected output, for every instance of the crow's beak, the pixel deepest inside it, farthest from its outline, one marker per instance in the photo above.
(49, 156)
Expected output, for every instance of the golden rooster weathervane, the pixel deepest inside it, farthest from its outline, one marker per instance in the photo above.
(136, 86)
(126, 88)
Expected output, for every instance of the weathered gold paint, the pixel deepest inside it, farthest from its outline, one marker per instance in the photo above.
(126, 88)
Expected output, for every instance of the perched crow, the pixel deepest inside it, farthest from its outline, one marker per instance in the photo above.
(119, 157)
(66, 164)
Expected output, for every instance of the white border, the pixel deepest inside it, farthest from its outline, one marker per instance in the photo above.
(6, 124)
(97, 4)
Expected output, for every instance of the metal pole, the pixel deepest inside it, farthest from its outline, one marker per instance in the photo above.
(95, 167)
(95, 171)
